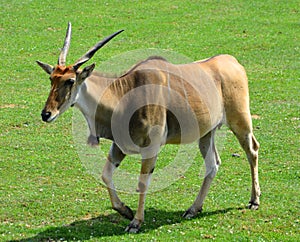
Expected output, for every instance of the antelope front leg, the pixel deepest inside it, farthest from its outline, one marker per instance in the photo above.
(113, 161)
(144, 181)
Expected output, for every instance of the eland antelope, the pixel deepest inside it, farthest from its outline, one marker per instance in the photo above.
(153, 104)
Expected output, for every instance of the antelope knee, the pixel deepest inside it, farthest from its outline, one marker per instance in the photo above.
(107, 173)
(211, 172)
(105, 178)
(141, 187)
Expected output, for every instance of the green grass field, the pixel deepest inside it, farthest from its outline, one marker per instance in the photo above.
(46, 194)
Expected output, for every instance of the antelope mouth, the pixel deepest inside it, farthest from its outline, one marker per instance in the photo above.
(52, 119)
(48, 117)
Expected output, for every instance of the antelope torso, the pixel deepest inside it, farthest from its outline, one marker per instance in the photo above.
(153, 104)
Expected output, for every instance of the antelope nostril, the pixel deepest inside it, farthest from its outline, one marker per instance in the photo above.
(45, 116)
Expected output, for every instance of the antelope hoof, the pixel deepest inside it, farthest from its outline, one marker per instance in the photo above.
(191, 213)
(134, 226)
(253, 205)
(125, 211)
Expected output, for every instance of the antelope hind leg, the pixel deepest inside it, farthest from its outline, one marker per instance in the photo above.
(251, 146)
(245, 136)
(212, 162)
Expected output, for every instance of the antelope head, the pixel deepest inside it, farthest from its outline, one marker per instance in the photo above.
(66, 80)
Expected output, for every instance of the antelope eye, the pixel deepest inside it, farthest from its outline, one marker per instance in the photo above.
(69, 82)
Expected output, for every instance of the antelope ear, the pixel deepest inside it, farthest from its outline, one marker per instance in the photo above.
(85, 73)
(47, 68)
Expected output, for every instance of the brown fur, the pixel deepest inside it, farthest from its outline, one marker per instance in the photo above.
(159, 103)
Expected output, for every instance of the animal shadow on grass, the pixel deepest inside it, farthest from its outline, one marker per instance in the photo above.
(112, 225)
